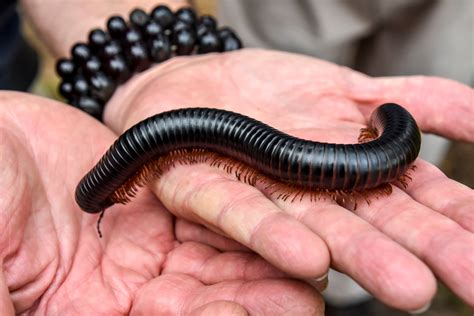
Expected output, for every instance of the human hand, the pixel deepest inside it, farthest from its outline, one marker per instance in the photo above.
(52, 261)
(393, 247)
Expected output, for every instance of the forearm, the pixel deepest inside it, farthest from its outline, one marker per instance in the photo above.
(60, 23)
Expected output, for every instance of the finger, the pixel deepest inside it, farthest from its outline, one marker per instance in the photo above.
(188, 231)
(439, 105)
(6, 304)
(203, 194)
(437, 240)
(181, 294)
(211, 266)
(220, 308)
(432, 188)
(376, 262)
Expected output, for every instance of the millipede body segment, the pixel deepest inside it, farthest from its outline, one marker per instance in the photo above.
(309, 165)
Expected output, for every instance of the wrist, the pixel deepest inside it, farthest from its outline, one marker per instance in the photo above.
(138, 98)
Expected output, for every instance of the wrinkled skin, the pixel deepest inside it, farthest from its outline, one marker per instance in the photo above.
(150, 262)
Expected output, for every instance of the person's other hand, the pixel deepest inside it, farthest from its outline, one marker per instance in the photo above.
(52, 261)
(393, 247)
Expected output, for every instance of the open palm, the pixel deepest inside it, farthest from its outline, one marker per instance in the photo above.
(52, 261)
(393, 247)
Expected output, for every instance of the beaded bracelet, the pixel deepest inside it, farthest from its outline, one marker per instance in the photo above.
(91, 75)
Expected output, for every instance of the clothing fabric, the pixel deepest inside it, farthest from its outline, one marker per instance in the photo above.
(18, 61)
(377, 37)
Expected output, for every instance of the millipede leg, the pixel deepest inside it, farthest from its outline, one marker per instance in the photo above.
(101, 216)
(367, 134)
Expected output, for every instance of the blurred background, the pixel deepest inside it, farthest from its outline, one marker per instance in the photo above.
(380, 38)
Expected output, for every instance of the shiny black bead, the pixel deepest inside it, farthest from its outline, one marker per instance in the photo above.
(138, 58)
(139, 18)
(185, 41)
(225, 32)
(132, 36)
(80, 86)
(101, 87)
(230, 41)
(181, 25)
(89, 105)
(152, 29)
(187, 15)
(159, 48)
(163, 16)
(116, 26)
(66, 90)
(65, 68)
(91, 66)
(117, 69)
(209, 43)
(80, 53)
(208, 21)
(111, 50)
(98, 39)
(201, 29)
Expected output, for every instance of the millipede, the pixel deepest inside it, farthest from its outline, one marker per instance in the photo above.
(252, 150)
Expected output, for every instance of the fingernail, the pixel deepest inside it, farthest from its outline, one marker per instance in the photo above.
(320, 283)
(322, 277)
(421, 310)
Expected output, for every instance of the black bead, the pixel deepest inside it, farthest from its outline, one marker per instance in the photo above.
(116, 26)
(208, 21)
(101, 87)
(152, 29)
(163, 16)
(80, 86)
(201, 29)
(66, 90)
(65, 68)
(159, 48)
(80, 53)
(138, 58)
(117, 69)
(98, 39)
(132, 36)
(111, 50)
(90, 106)
(209, 43)
(177, 28)
(92, 66)
(187, 15)
(139, 18)
(230, 41)
(225, 32)
(180, 25)
(185, 41)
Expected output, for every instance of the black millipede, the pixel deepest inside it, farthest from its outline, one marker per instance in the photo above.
(392, 143)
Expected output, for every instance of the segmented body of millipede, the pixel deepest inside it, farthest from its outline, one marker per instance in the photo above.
(304, 164)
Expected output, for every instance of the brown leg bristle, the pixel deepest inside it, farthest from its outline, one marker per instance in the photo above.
(246, 174)
(406, 177)
(367, 134)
